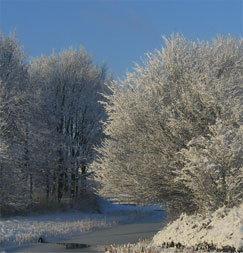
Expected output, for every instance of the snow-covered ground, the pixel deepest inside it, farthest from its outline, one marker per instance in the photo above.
(220, 229)
(21, 230)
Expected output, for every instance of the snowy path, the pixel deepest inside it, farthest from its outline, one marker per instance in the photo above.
(120, 234)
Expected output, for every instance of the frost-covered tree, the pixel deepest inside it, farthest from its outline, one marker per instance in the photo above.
(49, 122)
(13, 118)
(68, 90)
(154, 112)
(213, 167)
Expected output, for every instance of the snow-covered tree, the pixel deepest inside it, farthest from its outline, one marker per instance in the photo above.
(154, 112)
(213, 167)
(68, 90)
(13, 118)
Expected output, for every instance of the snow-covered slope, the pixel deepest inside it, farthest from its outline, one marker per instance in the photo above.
(221, 229)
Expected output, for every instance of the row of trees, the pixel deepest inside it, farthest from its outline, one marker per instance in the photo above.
(49, 122)
(175, 128)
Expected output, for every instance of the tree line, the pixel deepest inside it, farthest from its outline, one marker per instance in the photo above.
(169, 133)
(50, 119)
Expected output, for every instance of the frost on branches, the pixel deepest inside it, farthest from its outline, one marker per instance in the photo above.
(213, 167)
(14, 117)
(68, 88)
(175, 128)
(49, 122)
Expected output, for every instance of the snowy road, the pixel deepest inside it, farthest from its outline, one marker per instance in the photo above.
(120, 234)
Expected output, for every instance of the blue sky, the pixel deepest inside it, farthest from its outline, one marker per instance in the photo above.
(119, 32)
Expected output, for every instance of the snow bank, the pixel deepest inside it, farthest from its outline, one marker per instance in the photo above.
(143, 247)
(221, 229)
(131, 248)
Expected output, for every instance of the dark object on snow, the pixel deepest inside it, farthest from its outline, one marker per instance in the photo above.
(67, 244)
(71, 245)
(41, 240)
(178, 245)
(76, 245)
(229, 249)
(208, 247)
(172, 245)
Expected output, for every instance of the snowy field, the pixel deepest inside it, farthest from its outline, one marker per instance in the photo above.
(19, 230)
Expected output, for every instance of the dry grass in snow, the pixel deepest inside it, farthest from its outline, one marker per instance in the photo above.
(22, 230)
(144, 248)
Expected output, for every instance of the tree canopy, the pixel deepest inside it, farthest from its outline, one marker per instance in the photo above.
(187, 92)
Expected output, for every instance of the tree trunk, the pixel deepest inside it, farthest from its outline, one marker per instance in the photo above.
(47, 187)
